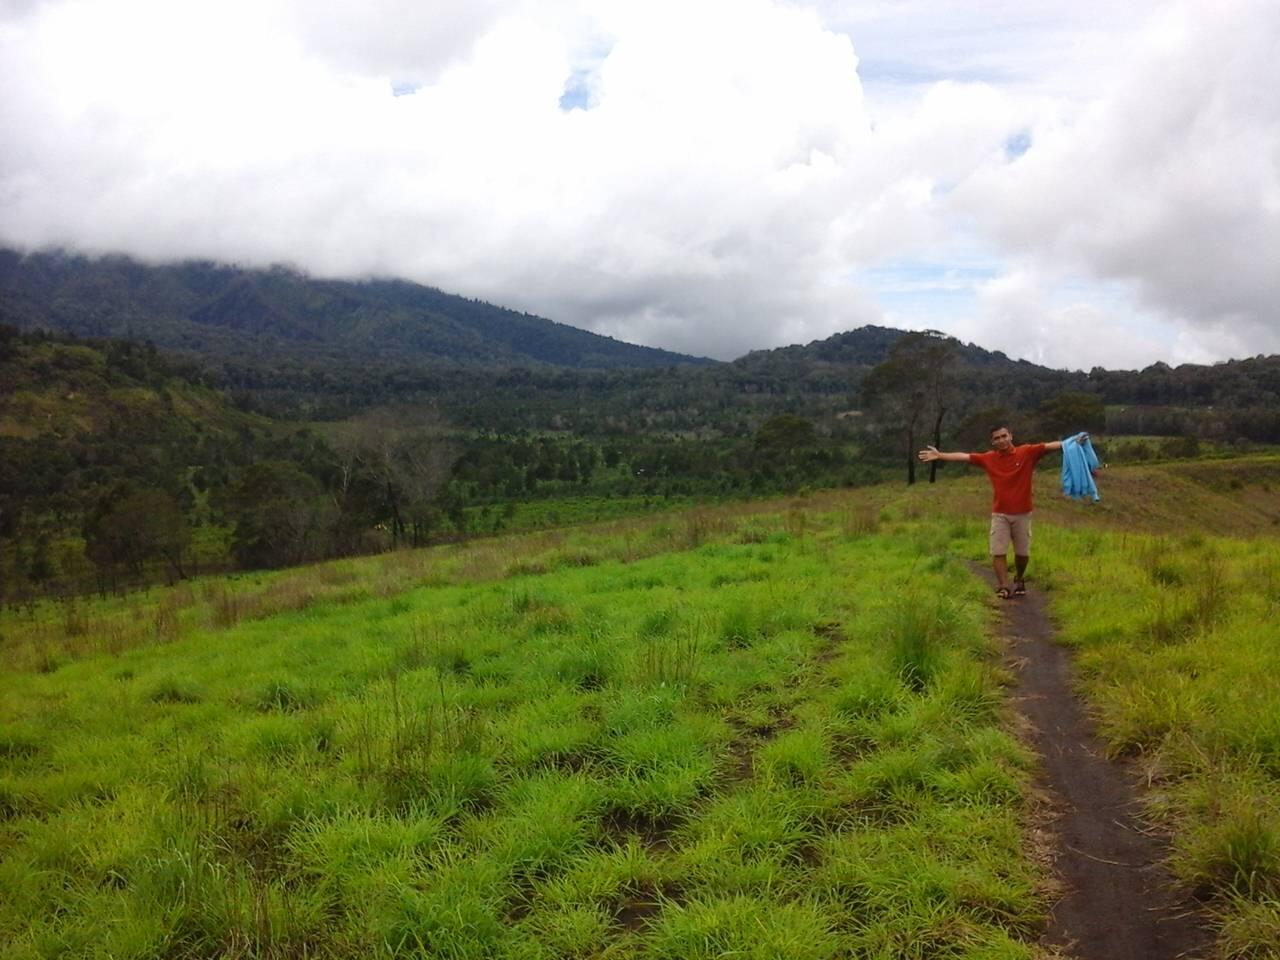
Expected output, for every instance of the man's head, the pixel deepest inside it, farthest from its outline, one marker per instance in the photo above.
(1001, 438)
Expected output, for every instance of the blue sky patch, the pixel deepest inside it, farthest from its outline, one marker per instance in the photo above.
(919, 294)
(577, 92)
(908, 73)
(912, 278)
(1018, 144)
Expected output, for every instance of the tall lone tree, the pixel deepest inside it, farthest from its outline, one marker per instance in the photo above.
(913, 382)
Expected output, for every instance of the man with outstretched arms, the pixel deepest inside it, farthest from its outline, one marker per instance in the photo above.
(1010, 469)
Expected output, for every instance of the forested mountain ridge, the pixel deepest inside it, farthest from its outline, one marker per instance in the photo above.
(1233, 399)
(302, 348)
(866, 346)
(232, 312)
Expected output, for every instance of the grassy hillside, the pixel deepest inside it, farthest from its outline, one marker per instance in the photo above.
(656, 755)
(767, 730)
(1235, 496)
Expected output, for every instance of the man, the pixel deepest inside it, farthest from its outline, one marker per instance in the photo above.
(1010, 470)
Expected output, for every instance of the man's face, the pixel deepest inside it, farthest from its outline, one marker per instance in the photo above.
(1002, 439)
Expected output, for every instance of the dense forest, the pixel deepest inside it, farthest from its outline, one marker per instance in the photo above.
(119, 465)
(122, 462)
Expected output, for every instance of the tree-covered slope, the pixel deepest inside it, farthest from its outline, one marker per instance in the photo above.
(78, 419)
(234, 312)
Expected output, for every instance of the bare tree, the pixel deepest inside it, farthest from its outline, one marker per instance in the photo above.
(406, 455)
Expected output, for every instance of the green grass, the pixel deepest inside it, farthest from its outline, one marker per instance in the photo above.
(762, 730)
(721, 736)
(563, 511)
(1177, 648)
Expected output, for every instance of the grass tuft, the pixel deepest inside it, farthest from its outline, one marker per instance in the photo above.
(286, 697)
(743, 926)
(1239, 852)
(919, 632)
(170, 690)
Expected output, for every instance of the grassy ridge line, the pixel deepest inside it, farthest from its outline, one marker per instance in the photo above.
(782, 742)
(1234, 497)
(1231, 497)
(1178, 652)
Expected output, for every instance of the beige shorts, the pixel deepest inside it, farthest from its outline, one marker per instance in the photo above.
(1007, 528)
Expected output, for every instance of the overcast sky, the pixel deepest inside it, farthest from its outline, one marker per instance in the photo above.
(1079, 184)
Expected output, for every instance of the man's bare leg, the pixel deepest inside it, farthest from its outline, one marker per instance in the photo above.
(1020, 576)
(1000, 564)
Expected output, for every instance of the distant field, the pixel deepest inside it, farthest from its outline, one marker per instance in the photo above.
(1138, 448)
(567, 511)
(768, 730)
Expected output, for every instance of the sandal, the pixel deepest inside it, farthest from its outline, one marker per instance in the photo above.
(1019, 588)
(1004, 593)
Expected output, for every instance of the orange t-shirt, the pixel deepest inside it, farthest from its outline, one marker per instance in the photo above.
(1010, 472)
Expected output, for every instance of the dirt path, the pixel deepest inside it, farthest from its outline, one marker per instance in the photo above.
(1118, 901)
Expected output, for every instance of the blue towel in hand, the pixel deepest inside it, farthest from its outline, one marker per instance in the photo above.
(1078, 465)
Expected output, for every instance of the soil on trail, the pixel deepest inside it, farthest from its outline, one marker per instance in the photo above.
(1118, 901)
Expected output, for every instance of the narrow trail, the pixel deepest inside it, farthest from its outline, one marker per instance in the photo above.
(1118, 901)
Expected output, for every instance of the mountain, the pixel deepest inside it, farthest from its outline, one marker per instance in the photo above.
(232, 312)
(869, 345)
(299, 348)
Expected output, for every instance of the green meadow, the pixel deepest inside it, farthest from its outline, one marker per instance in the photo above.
(766, 730)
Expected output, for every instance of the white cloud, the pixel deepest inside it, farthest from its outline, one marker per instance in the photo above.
(724, 182)
(410, 41)
(698, 203)
(1021, 314)
(1171, 182)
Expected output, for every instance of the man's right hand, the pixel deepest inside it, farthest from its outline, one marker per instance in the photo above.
(929, 453)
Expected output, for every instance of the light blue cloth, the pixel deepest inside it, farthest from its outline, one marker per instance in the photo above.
(1078, 464)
